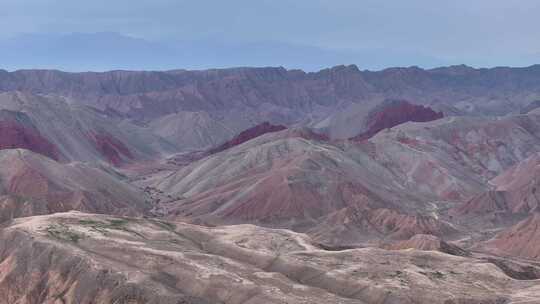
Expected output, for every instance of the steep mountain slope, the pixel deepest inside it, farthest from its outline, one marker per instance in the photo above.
(294, 178)
(401, 182)
(514, 195)
(521, 183)
(18, 131)
(530, 107)
(364, 119)
(455, 157)
(32, 184)
(52, 126)
(81, 258)
(185, 158)
(272, 162)
(193, 130)
(520, 240)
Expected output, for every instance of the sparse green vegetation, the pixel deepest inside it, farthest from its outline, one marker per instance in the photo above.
(63, 232)
(438, 275)
(118, 224)
(88, 222)
(111, 224)
(163, 224)
(433, 274)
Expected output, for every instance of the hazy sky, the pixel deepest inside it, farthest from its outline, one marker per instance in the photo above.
(475, 32)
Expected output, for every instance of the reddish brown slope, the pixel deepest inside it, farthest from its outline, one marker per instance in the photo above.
(32, 184)
(244, 136)
(110, 147)
(522, 239)
(53, 126)
(515, 193)
(393, 113)
(490, 202)
(354, 224)
(248, 134)
(17, 131)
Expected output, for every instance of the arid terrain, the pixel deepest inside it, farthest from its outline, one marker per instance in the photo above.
(268, 185)
(83, 258)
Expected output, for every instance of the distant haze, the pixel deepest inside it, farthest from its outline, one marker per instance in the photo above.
(307, 34)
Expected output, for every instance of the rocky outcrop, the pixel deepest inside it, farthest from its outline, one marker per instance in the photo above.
(395, 112)
(248, 134)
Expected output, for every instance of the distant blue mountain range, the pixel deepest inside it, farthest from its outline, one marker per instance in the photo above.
(111, 51)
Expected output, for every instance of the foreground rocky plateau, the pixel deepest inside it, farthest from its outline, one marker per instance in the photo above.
(86, 258)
